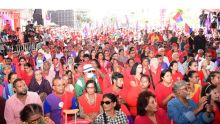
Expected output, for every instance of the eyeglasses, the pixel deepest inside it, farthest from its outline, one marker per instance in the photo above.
(90, 87)
(59, 85)
(196, 76)
(185, 88)
(105, 102)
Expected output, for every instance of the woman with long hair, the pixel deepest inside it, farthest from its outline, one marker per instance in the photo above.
(194, 88)
(136, 72)
(112, 113)
(93, 53)
(79, 58)
(214, 78)
(101, 59)
(176, 75)
(90, 102)
(20, 67)
(28, 75)
(101, 74)
(132, 94)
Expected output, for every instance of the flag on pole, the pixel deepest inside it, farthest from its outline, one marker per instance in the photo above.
(137, 26)
(116, 22)
(187, 28)
(85, 31)
(127, 20)
(178, 17)
(48, 16)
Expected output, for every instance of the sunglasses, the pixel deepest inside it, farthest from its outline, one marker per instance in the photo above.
(106, 102)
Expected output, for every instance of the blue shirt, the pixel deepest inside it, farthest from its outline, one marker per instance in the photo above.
(8, 87)
(182, 114)
(52, 105)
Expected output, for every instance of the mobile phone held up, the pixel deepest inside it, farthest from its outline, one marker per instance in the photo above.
(209, 99)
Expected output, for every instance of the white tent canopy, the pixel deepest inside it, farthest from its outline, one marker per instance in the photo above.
(108, 4)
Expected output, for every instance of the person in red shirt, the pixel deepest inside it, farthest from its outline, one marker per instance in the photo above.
(132, 54)
(127, 72)
(148, 111)
(146, 68)
(136, 72)
(20, 67)
(165, 86)
(101, 58)
(90, 102)
(155, 71)
(28, 75)
(176, 75)
(133, 93)
(117, 86)
(100, 74)
(118, 90)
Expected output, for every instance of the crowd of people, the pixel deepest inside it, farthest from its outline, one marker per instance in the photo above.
(113, 76)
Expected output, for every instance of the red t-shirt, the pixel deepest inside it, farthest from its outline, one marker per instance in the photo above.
(106, 82)
(161, 117)
(177, 76)
(87, 108)
(156, 77)
(122, 93)
(27, 78)
(133, 78)
(202, 77)
(161, 92)
(132, 97)
(20, 73)
(217, 116)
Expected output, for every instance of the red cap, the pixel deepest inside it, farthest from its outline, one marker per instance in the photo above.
(186, 46)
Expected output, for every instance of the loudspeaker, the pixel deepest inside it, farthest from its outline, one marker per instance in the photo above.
(37, 16)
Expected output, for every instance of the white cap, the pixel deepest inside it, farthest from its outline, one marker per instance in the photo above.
(88, 67)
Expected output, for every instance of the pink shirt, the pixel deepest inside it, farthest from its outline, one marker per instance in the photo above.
(13, 107)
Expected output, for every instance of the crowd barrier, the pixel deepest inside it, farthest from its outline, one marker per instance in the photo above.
(27, 46)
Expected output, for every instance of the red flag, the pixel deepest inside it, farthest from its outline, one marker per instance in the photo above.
(178, 17)
(187, 28)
